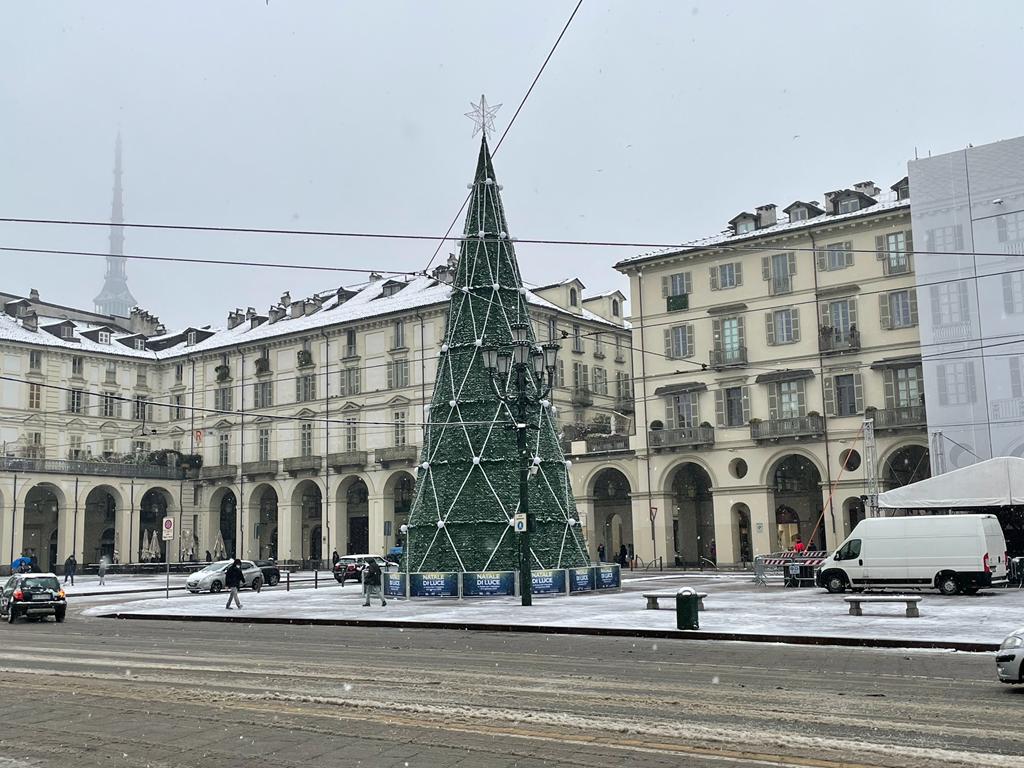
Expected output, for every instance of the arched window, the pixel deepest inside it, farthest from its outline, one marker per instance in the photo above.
(573, 298)
(615, 307)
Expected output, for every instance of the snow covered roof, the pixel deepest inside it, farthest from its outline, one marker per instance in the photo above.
(783, 227)
(997, 482)
(366, 301)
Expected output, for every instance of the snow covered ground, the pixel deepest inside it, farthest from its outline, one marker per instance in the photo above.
(733, 605)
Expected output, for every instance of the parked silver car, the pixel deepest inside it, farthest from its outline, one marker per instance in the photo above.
(1009, 658)
(211, 578)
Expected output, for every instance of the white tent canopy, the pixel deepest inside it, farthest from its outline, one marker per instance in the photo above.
(997, 482)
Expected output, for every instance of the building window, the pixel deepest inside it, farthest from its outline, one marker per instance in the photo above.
(904, 387)
(263, 394)
(902, 313)
(577, 338)
(681, 411)
(574, 298)
(893, 250)
(111, 373)
(724, 276)
(950, 303)
(399, 423)
(679, 342)
(734, 407)
(306, 439)
(581, 377)
(835, 256)
(729, 340)
(350, 381)
(1010, 230)
(598, 345)
(108, 447)
(177, 407)
(35, 360)
(103, 337)
(839, 322)
(399, 338)
(783, 326)
(263, 444)
(678, 284)
(798, 214)
(141, 409)
(778, 270)
(560, 373)
(35, 396)
(956, 382)
(790, 396)
(140, 345)
(849, 205)
(846, 395)
(140, 377)
(179, 373)
(945, 239)
(615, 308)
(75, 450)
(398, 374)
(110, 406)
(223, 399)
(622, 385)
(1013, 293)
(190, 338)
(67, 332)
(744, 226)
(76, 401)
(35, 449)
(552, 328)
(77, 366)
(600, 381)
(305, 388)
(351, 434)
(351, 350)
(224, 449)
(141, 446)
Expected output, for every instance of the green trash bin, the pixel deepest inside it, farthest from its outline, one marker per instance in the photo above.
(686, 609)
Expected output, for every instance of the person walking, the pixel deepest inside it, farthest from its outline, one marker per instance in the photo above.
(103, 569)
(798, 547)
(623, 555)
(233, 580)
(209, 557)
(70, 566)
(335, 557)
(371, 584)
(600, 553)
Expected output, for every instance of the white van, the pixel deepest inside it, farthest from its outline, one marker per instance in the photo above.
(951, 553)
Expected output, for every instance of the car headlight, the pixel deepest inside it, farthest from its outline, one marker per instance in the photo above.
(1013, 641)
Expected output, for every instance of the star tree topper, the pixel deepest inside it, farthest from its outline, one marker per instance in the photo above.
(483, 116)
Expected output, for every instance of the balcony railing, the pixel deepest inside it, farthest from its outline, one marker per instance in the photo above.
(303, 464)
(904, 416)
(338, 461)
(838, 339)
(684, 437)
(1008, 408)
(797, 426)
(218, 472)
(952, 331)
(397, 454)
(725, 358)
(98, 468)
(606, 443)
(254, 468)
(582, 396)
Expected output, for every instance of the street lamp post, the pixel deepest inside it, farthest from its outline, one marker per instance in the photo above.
(525, 363)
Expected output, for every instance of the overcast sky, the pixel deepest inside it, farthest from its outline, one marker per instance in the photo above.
(654, 121)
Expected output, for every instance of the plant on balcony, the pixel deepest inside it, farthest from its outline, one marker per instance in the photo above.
(705, 425)
(813, 414)
(755, 420)
(223, 372)
(262, 365)
(870, 409)
(305, 358)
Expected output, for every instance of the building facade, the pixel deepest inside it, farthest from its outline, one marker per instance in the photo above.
(286, 434)
(758, 353)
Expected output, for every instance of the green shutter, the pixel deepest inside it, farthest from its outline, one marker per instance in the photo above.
(773, 401)
(391, 374)
(741, 332)
(853, 311)
(668, 344)
(795, 314)
(848, 253)
(881, 252)
(908, 239)
(792, 264)
(822, 256)
(1007, 295)
(801, 398)
(826, 314)
(689, 341)
(716, 333)
(670, 414)
(664, 286)
(720, 407)
(885, 319)
(713, 277)
(738, 268)
(889, 387)
(972, 383)
(769, 327)
(687, 283)
(912, 293)
(830, 395)
(858, 392)
(766, 268)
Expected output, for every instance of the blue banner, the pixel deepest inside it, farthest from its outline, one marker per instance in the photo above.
(607, 577)
(549, 582)
(488, 583)
(443, 584)
(394, 584)
(581, 579)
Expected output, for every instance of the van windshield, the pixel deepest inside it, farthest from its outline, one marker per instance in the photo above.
(849, 550)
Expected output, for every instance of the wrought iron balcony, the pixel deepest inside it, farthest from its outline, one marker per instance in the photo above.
(254, 468)
(97, 468)
(397, 454)
(218, 472)
(684, 437)
(727, 358)
(903, 417)
(338, 461)
(606, 443)
(303, 464)
(796, 426)
(582, 396)
(838, 339)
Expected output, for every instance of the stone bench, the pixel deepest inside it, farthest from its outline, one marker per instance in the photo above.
(855, 603)
(653, 597)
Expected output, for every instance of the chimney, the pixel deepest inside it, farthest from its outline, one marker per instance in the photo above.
(250, 313)
(313, 304)
(867, 188)
(256, 321)
(33, 295)
(286, 299)
(298, 309)
(275, 313)
(830, 201)
(443, 274)
(374, 277)
(235, 319)
(766, 215)
(30, 321)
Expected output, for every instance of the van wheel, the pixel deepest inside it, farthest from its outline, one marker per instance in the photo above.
(835, 583)
(948, 584)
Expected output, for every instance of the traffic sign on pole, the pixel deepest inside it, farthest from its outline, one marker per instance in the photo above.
(167, 529)
(519, 522)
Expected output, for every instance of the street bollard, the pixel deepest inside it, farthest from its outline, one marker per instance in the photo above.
(287, 581)
(316, 577)
(686, 609)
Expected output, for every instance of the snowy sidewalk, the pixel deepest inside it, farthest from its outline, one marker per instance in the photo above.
(734, 606)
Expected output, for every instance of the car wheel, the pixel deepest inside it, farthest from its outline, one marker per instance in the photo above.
(835, 583)
(273, 581)
(948, 584)
(216, 586)
(59, 616)
(11, 615)
(257, 583)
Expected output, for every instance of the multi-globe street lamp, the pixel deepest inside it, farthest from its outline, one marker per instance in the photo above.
(527, 363)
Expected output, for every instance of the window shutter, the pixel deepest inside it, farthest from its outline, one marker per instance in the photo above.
(794, 313)
(943, 388)
(1007, 295)
(664, 285)
(738, 269)
(912, 294)
(972, 383)
(1016, 385)
(689, 341)
(853, 311)
(801, 398)
(687, 283)
(769, 327)
(720, 407)
(965, 308)
(848, 251)
(341, 385)
(885, 318)
(670, 414)
(766, 268)
(391, 374)
(828, 384)
(668, 343)
(746, 404)
(586, 376)
(908, 239)
(773, 401)
(792, 264)
(71, 396)
(713, 277)
(858, 392)
(826, 313)
(741, 332)
(716, 333)
(889, 387)
(880, 249)
(822, 257)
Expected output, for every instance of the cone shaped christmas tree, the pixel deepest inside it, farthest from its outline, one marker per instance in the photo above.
(467, 486)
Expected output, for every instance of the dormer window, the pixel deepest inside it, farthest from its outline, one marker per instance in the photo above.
(744, 226)
(615, 307)
(574, 298)
(391, 288)
(66, 332)
(103, 337)
(798, 214)
(22, 310)
(849, 205)
(190, 338)
(140, 344)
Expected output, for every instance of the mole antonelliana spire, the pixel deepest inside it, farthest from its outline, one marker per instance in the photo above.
(116, 298)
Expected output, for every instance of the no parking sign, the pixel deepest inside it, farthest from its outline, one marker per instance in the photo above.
(167, 529)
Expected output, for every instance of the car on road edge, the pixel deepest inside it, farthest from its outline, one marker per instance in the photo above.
(211, 578)
(33, 595)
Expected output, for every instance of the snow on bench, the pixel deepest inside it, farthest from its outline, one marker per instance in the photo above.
(856, 601)
(653, 597)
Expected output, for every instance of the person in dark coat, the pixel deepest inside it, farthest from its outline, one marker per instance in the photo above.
(233, 579)
(371, 584)
(209, 557)
(70, 566)
(335, 557)
(623, 555)
(600, 553)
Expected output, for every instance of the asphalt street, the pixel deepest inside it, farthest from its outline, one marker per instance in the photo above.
(94, 692)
